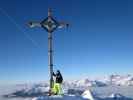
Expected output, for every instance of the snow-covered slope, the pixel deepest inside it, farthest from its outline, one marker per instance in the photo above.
(65, 97)
(87, 95)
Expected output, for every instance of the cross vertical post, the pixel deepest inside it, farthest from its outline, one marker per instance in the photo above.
(50, 58)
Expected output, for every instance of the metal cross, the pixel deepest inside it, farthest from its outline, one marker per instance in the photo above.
(50, 25)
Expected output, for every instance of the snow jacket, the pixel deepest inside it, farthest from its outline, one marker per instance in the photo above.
(58, 76)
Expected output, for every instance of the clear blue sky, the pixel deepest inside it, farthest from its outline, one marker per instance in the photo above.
(98, 42)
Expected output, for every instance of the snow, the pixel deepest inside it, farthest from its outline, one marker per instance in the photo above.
(88, 95)
(126, 80)
(65, 97)
(110, 88)
(119, 80)
(117, 95)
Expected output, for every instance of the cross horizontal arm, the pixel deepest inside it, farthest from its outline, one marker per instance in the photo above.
(34, 24)
(63, 24)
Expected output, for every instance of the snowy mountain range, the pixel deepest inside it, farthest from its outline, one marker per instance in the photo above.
(119, 80)
(126, 80)
(112, 87)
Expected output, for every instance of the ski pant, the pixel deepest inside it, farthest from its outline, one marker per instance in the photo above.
(57, 89)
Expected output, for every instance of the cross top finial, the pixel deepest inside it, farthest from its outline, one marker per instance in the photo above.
(49, 12)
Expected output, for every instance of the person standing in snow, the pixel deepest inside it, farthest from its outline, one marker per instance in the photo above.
(57, 90)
